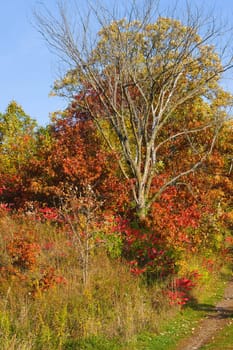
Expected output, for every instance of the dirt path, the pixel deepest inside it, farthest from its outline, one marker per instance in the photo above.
(217, 317)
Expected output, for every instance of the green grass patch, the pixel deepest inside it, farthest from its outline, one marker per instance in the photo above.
(92, 343)
(171, 332)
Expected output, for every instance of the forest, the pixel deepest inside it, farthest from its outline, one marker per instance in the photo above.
(116, 218)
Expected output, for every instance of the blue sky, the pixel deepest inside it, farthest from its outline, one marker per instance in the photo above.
(28, 69)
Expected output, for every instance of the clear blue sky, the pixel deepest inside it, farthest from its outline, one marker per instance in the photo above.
(28, 69)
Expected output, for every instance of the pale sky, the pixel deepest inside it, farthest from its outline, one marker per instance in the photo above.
(28, 69)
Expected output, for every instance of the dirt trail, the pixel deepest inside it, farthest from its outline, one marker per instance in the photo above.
(217, 317)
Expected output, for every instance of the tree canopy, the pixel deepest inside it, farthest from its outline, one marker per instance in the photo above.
(138, 82)
(16, 137)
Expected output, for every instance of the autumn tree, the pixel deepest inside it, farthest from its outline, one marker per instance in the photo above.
(16, 137)
(137, 79)
(70, 157)
(17, 146)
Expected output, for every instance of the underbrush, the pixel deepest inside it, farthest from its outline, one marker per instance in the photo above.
(45, 304)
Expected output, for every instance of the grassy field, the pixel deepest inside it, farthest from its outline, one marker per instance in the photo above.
(45, 305)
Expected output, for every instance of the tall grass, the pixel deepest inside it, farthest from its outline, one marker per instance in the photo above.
(45, 305)
(113, 304)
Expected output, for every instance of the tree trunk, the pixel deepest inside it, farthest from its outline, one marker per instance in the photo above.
(142, 212)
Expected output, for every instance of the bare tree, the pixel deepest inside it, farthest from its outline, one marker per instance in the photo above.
(80, 213)
(135, 77)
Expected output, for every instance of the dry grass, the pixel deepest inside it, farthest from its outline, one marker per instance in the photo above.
(113, 304)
